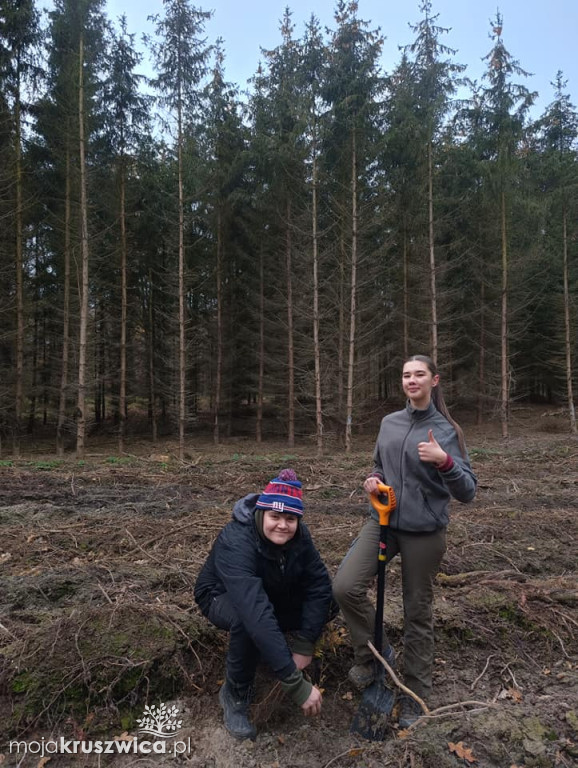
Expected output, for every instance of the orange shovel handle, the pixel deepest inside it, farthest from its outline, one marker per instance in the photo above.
(384, 502)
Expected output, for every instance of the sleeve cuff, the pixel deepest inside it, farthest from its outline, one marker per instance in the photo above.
(302, 646)
(447, 464)
(297, 687)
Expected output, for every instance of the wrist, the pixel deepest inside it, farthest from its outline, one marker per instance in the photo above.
(446, 464)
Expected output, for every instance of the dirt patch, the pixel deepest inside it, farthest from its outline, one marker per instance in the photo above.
(97, 566)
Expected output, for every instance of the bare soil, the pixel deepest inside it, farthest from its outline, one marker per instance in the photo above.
(98, 560)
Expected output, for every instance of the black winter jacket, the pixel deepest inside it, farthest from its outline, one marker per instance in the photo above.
(265, 581)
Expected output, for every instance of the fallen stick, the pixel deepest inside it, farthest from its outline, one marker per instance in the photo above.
(397, 681)
(427, 712)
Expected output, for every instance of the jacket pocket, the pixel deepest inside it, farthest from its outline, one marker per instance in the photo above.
(429, 508)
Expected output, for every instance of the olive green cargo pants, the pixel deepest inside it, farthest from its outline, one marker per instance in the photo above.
(421, 555)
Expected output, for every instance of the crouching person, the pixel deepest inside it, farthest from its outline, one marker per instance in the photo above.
(264, 578)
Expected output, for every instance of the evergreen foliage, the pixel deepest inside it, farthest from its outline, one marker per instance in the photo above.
(187, 259)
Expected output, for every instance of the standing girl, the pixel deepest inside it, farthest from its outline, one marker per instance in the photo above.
(420, 452)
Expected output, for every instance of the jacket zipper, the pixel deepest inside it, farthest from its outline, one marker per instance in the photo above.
(411, 426)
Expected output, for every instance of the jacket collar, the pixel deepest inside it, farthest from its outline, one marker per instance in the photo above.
(416, 414)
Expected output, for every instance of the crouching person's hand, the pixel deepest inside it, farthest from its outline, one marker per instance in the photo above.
(313, 704)
(303, 693)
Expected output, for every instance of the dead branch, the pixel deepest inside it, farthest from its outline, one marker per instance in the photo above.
(396, 679)
(4, 629)
(483, 672)
(189, 644)
(105, 593)
(426, 711)
(340, 755)
(461, 579)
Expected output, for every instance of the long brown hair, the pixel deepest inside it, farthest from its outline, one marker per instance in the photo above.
(438, 399)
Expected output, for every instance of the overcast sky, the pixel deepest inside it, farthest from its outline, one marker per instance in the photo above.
(541, 36)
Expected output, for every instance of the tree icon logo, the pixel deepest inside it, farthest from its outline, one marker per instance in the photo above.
(160, 721)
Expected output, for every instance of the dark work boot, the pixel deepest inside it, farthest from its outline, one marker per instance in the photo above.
(362, 675)
(409, 711)
(235, 701)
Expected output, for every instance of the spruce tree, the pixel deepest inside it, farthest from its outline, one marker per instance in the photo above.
(352, 88)
(180, 54)
(127, 119)
(436, 78)
(19, 37)
(558, 135)
(505, 106)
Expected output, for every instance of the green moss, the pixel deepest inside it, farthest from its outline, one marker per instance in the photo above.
(458, 635)
(118, 460)
(127, 721)
(534, 729)
(46, 465)
(512, 615)
(128, 682)
(22, 682)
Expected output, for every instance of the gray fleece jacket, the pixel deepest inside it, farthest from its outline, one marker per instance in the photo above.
(422, 491)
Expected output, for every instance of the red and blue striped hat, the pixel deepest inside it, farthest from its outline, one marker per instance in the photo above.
(283, 494)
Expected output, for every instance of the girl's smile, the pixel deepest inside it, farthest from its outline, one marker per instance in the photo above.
(418, 382)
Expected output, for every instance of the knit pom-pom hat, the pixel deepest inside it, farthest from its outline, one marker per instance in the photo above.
(283, 494)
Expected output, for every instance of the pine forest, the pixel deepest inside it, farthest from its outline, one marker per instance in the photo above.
(181, 258)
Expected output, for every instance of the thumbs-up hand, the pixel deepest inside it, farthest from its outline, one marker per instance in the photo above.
(431, 451)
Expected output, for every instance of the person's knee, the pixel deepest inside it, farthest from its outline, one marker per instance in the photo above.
(345, 591)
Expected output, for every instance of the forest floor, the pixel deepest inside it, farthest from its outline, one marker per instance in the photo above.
(98, 560)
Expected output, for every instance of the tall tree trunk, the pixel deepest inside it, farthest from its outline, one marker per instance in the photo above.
(45, 373)
(567, 328)
(341, 340)
(65, 314)
(261, 353)
(81, 402)
(32, 410)
(353, 298)
(97, 364)
(290, 339)
(123, 314)
(505, 398)
(405, 296)
(316, 349)
(35, 342)
(182, 350)
(19, 283)
(482, 356)
(152, 388)
(432, 259)
(219, 371)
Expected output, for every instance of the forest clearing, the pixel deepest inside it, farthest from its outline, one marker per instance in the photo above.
(98, 561)
(201, 285)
